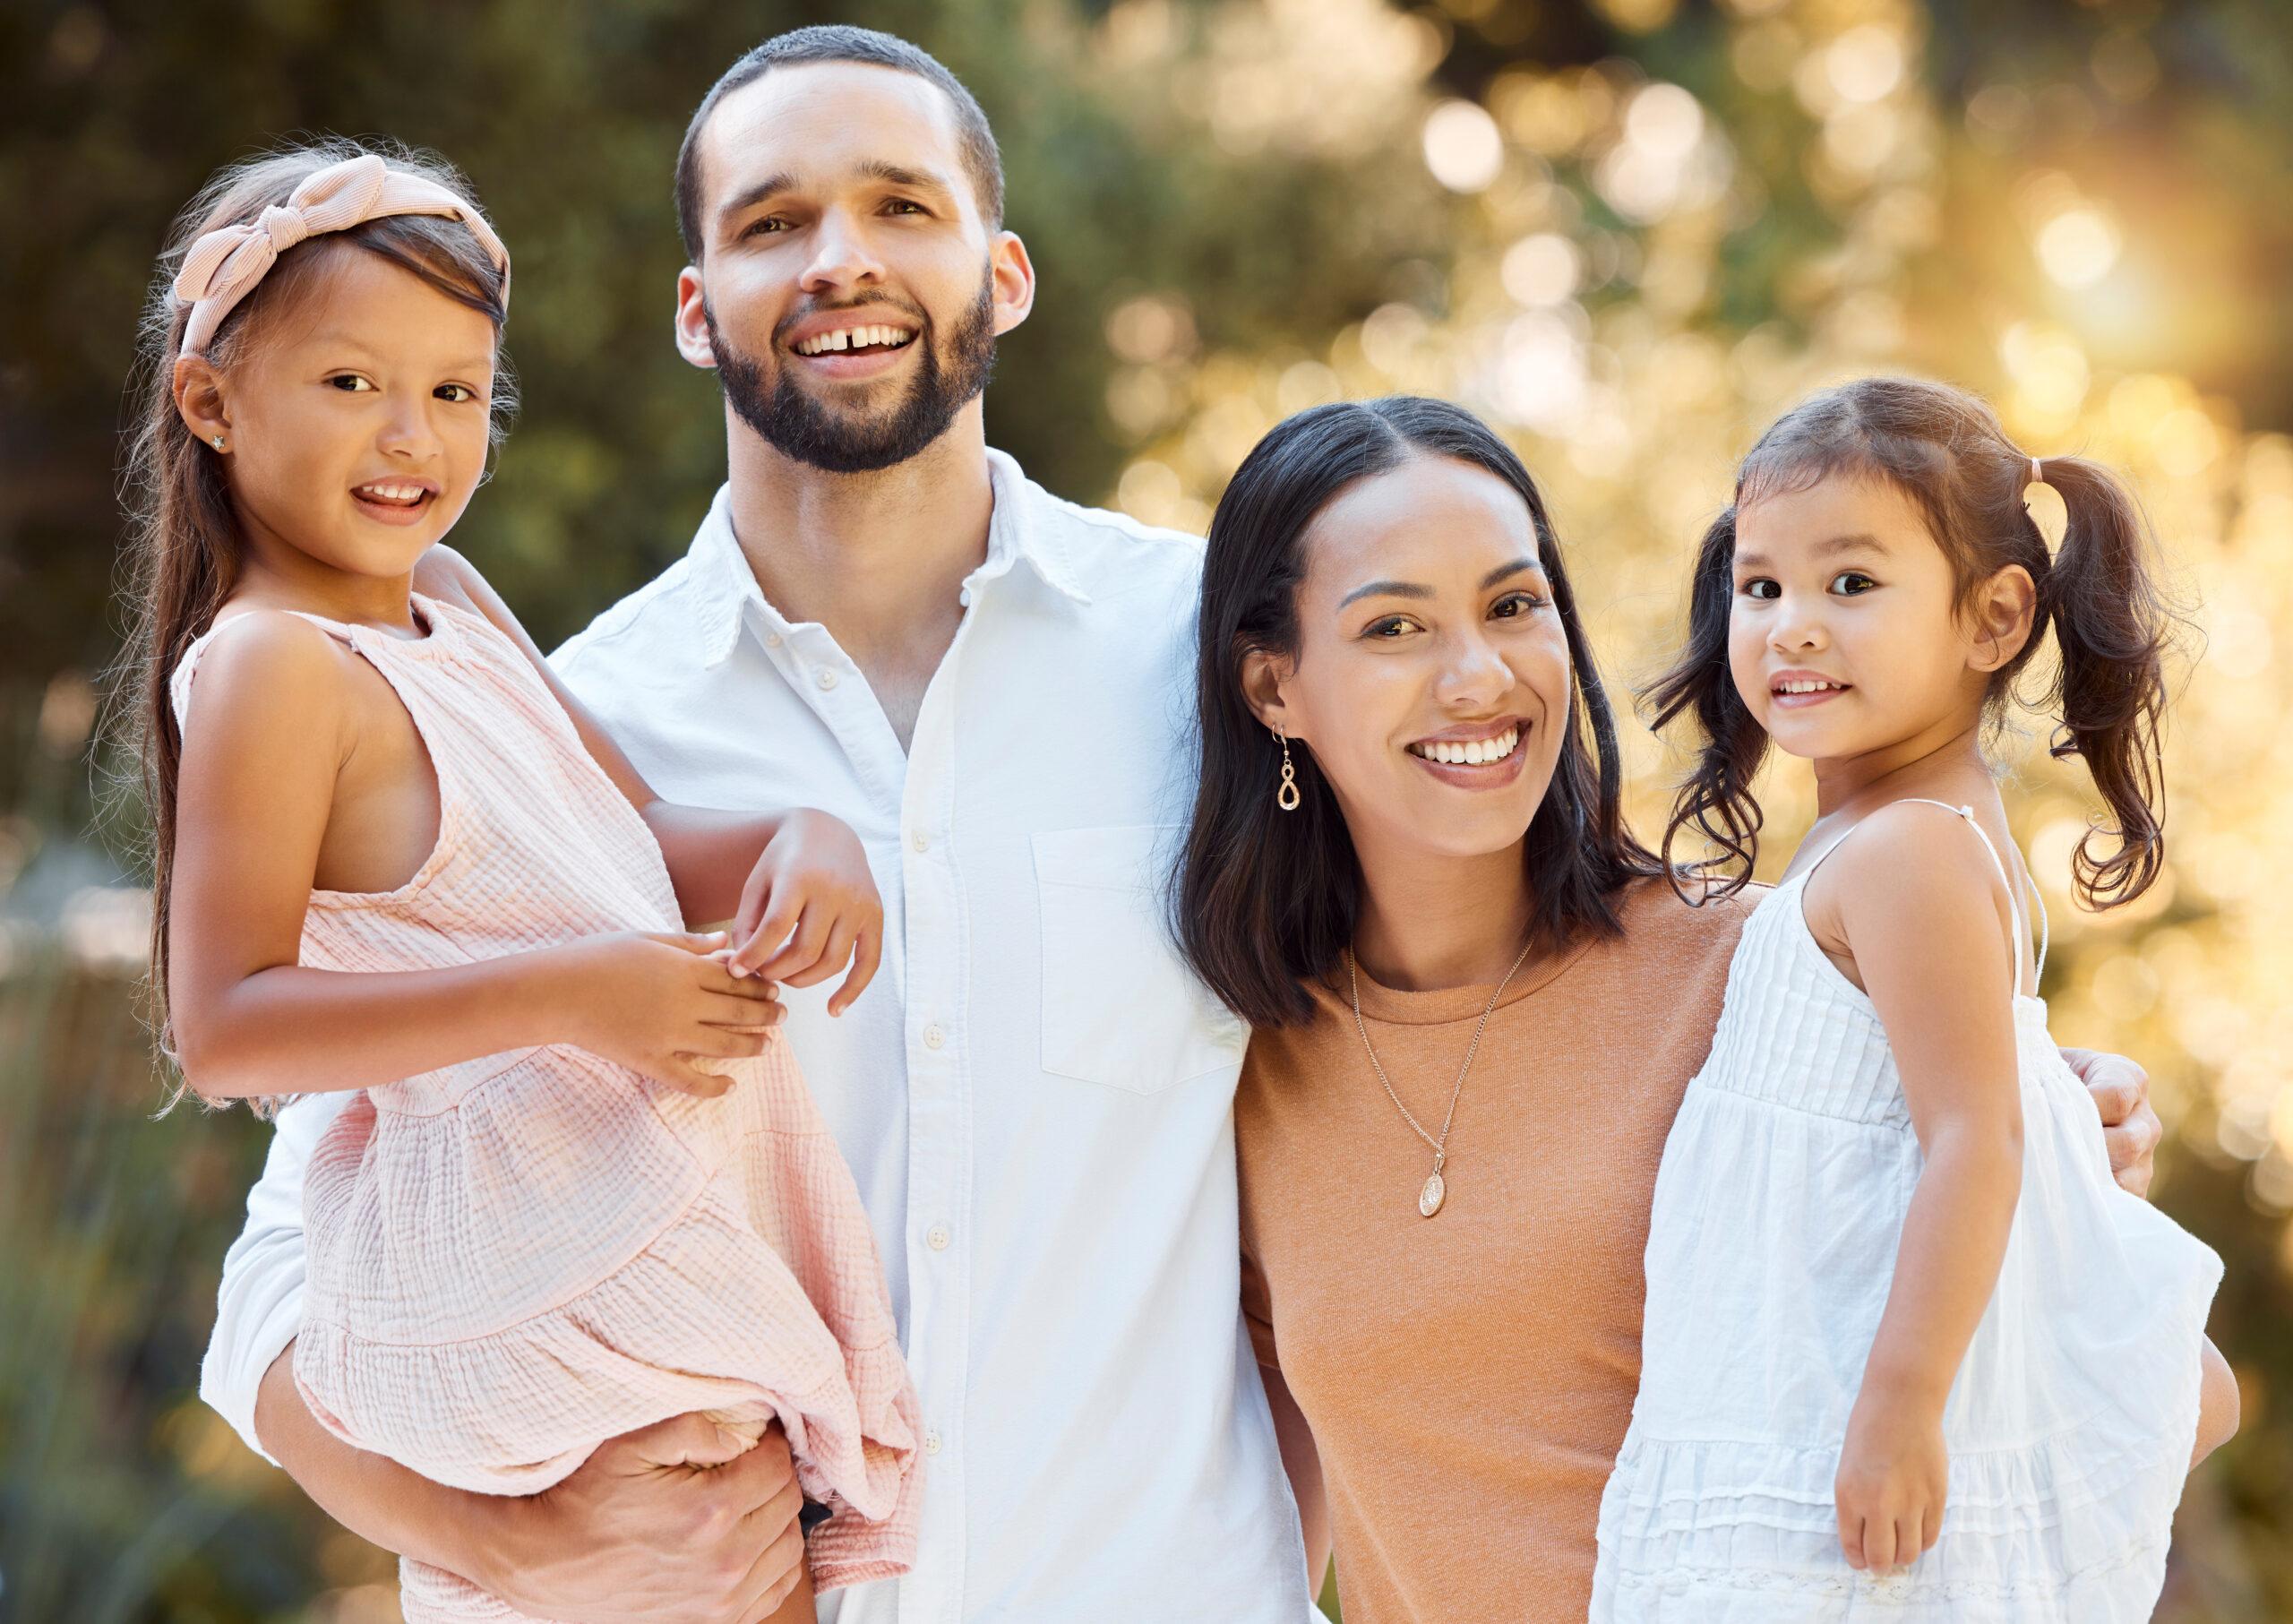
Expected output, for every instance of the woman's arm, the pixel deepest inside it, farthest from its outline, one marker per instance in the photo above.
(254, 796)
(1302, 1461)
(679, 1523)
(1920, 907)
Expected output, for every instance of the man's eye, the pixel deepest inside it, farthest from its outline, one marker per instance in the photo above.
(771, 222)
(1761, 588)
(1851, 583)
(349, 382)
(902, 205)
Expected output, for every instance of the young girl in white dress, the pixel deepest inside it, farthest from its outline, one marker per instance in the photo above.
(1909, 1353)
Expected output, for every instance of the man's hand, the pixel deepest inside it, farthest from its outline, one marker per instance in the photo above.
(2121, 1093)
(678, 1523)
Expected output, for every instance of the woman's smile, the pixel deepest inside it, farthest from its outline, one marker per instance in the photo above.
(1486, 756)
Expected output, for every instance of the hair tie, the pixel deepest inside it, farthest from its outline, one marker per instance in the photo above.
(2049, 514)
(224, 265)
(2038, 474)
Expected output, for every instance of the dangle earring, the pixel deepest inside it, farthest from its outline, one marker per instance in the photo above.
(1287, 797)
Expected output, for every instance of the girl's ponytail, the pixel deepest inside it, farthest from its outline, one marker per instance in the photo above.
(1717, 799)
(2113, 628)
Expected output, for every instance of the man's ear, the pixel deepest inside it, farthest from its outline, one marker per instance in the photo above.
(1263, 677)
(692, 320)
(2005, 611)
(1014, 276)
(199, 399)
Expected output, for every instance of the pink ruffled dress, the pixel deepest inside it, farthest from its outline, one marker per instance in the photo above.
(513, 1259)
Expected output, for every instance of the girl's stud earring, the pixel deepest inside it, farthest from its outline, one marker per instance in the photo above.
(219, 442)
(1286, 797)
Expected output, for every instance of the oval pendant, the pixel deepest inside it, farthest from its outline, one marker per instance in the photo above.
(1429, 1200)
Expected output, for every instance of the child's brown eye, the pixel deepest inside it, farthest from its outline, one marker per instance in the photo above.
(1761, 589)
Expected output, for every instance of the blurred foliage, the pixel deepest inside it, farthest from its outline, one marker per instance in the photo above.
(1628, 231)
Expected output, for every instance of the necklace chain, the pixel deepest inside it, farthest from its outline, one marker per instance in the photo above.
(1429, 1201)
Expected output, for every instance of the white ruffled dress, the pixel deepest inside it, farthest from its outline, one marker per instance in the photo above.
(1778, 1211)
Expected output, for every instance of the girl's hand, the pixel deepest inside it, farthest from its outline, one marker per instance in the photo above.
(812, 897)
(659, 1003)
(1893, 1474)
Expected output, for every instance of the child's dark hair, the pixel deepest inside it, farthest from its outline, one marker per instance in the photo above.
(1945, 450)
(182, 546)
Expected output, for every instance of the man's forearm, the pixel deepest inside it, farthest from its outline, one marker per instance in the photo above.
(373, 1496)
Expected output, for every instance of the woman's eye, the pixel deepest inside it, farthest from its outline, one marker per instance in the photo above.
(1389, 627)
(1849, 583)
(1761, 588)
(349, 382)
(1514, 605)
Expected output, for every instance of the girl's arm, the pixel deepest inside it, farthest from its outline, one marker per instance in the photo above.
(715, 858)
(270, 724)
(1921, 909)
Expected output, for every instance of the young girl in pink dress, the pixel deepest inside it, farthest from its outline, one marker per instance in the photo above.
(582, 1187)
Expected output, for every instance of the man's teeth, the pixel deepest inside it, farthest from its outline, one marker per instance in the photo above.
(1473, 754)
(854, 338)
(392, 493)
(1808, 687)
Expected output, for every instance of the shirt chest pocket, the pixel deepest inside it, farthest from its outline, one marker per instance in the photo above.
(1120, 1006)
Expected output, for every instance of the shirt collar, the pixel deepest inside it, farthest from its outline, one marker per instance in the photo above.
(1026, 524)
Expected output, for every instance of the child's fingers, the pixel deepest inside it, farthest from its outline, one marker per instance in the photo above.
(1879, 1543)
(692, 941)
(801, 951)
(1850, 1537)
(835, 952)
(679, 1072)
(771, 931)
(868, 953)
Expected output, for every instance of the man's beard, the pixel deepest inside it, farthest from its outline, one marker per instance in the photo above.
(802, 429)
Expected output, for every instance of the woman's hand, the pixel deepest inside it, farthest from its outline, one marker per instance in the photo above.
(2120, 1088)
(1893, 1477)
(812, 897)
(658, 1003)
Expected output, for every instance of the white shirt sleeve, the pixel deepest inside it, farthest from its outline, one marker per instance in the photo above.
(259, 1307)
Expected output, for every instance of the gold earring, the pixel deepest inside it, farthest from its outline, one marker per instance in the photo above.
(1287, 797)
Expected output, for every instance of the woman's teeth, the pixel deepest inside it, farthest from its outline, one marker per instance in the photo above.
(398, 495)
(1474, 754)
(855, 338)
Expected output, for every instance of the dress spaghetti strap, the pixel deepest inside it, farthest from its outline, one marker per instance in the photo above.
(2014, 891)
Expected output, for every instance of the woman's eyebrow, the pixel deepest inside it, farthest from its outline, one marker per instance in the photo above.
(1386, 589)
(1514, 567)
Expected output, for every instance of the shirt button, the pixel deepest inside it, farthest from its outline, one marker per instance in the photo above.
(921, 841)
(932, 1442)
(827, 679)
(933, 1037)
(772, 639)
(939, 1238)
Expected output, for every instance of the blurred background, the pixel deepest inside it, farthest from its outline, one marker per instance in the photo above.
(1628, 231)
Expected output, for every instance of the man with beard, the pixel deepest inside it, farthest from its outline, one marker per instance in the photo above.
(881, 617)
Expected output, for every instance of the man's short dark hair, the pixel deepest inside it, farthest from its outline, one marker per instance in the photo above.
(839, 42)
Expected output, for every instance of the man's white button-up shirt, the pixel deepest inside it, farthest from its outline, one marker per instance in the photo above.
(1035, 1095)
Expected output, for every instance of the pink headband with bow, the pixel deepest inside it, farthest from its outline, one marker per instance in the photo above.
(223, 267)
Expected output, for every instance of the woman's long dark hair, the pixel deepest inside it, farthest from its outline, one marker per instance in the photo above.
(1946, 450)
(1263, 901)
